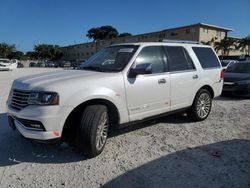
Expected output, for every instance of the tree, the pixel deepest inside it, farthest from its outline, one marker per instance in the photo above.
(211, 42)
(225, 46)
(6, 50)
(47, 51)
(31, 55)
(16, 55)
(244, 45)
(102, 33)
(125, 34)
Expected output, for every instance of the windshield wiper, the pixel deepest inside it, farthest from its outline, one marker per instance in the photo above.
(99, 69)
(93, 68)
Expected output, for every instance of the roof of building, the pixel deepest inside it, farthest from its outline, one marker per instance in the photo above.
(203, 24)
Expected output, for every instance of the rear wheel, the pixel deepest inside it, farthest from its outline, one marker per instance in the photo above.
(201, 106)
(92, 132)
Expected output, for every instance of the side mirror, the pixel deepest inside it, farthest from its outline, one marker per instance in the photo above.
(140, 69)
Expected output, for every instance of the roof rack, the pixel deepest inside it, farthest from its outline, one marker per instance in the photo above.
(180, 41)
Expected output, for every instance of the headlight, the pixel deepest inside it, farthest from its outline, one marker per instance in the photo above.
(43, 98)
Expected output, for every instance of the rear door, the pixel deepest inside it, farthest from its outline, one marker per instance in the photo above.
(184, 77)
(212, 68)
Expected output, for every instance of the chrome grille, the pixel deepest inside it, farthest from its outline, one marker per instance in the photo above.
(19, 99)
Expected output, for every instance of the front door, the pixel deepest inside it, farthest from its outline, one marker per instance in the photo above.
(148, 94)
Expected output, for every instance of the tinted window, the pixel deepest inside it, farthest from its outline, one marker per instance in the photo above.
(206, 57)
(153, 55)
(178, 59)
(239, 68)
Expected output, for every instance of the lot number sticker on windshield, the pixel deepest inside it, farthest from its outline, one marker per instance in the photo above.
(126, 50)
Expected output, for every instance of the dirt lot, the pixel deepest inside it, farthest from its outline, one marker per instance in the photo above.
(168, 152)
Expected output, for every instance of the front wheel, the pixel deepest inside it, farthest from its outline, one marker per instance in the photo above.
(93, 130)
(201, 106)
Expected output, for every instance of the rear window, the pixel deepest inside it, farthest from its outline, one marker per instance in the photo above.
(206, 57)
(239, 68)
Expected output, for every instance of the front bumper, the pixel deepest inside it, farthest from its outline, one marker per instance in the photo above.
(52, 119)
(5, 68)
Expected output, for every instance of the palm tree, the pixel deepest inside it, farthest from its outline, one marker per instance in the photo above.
(244, 45)
(225, 46)
(211, 42)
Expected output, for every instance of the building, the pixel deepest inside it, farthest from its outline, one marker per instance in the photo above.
(201, 32)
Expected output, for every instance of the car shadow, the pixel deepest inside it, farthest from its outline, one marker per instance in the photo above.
(222, 164)
(15, 149)
(178, 118)
(229, 97)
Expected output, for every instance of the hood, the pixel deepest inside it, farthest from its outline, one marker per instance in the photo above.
(57, 79)
(233, 77)
(4, 64)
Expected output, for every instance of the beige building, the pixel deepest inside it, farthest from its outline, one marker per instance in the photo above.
(196, 32)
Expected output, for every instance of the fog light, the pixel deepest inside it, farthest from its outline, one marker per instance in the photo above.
(37, 126)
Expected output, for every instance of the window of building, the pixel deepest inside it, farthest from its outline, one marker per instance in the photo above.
(178, 59)
(205, 30)
(218, 33)
(187, 31)
(206, 57)
(173, 34)
(153, 55)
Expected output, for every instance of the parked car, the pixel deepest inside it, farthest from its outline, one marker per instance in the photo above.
(237, 79)
(67, 64)
(40, 64)
(51, 64)
(32, 64)
(6, 64)
(141, 81)
(226, 63)
(20, 65)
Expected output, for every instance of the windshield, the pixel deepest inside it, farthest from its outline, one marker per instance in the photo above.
(239, 68)
(4, 61)
(111, 59)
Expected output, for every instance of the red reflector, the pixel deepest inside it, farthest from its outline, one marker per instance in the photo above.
(222, 73)
(56, 133)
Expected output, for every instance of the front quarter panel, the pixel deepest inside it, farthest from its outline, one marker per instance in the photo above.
(111, 89)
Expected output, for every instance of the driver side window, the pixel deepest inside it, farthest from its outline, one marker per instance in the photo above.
(151, 55)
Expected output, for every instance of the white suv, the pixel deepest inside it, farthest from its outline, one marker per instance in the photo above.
(118, 85)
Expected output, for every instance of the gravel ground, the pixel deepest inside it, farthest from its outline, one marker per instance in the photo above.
(167, 152)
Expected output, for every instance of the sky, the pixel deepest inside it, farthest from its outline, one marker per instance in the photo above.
(26, 23)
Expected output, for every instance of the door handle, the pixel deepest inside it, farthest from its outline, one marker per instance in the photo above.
(195, 76)
(162, 81)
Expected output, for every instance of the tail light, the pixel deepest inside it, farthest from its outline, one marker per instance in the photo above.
(222, 74)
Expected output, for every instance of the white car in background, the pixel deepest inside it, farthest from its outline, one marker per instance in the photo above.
(6, 64)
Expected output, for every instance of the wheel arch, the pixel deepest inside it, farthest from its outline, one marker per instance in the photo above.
(209, 88)
(69, 126)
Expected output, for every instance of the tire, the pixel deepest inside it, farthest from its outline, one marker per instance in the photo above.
(201, 106)
(92, 131)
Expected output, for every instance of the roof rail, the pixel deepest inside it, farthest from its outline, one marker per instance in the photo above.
(180, 41)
